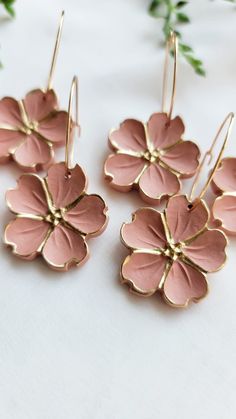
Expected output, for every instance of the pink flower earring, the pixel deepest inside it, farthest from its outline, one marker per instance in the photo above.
(224, 185)
(54, 215)
(32, 127)
(172, 251)
(152, 157)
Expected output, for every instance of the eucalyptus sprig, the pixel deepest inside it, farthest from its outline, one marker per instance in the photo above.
(8, 5)
(173, 13)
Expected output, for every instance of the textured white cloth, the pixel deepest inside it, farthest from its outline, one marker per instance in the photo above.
(78, 345)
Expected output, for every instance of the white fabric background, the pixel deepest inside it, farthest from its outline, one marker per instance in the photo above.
(78, 345)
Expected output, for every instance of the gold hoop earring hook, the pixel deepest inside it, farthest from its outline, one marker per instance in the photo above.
(55, 51)
(209, 154)
(172, 42)
(74, 91)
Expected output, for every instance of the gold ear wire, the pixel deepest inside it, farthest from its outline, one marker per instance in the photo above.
(74, 91)
(55, 51)
(172, 42)
(209, 154)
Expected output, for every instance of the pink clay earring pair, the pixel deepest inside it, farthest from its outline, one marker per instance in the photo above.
(54, 215)
(171, 251)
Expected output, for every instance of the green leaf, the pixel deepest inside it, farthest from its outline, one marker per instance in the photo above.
(196, 64)
(8, 4)
(194, 61)
(200, 71)
(181, 4)
(153, 7)
(182, 18)
(10, 10)
(178, 34)
(185, 48)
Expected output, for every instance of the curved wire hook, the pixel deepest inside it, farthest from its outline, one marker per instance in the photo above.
(74, 91)
(55, 51)
(209, 154)
(172, 42)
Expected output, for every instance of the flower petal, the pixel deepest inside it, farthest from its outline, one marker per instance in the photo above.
(10, 113)
(123, 170)
(224, 209)
(157, 181)
(88, 215)
(9, 140)
(33, 153)
(225, 177)
(65, 189)
(143, 271)
(183, 157)
(64, 248)
(184, 284)
(184, 222)
(39, 104)
(146, 231)
(29, 196)
(164, 132)
(54, 128)
(26, 236)
(129, 137)
(208, 250)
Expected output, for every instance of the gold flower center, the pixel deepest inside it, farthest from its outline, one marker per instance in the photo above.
(54, 217)
(173, 250)
(29, 127)
(151, 156)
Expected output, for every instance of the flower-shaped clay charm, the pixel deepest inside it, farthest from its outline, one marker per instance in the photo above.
(171, 252)
(31, 128)
(54, 217)
(224, 185)
(151, 157)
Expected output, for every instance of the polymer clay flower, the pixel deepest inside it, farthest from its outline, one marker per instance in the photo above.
(31, 128)
(171, 252)
(224, 185)
(54, 217)
(151, 157)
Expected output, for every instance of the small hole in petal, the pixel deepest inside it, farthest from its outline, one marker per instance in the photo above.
(167, 124)
(68, 174)
(217, 224)
(194, 204)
